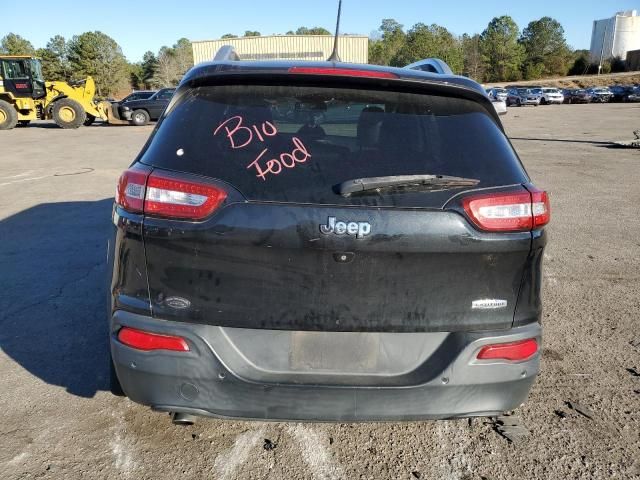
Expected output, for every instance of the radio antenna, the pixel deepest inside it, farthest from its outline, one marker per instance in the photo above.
(334, 55)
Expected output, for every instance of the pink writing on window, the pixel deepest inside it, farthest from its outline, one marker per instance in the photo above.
(241, 136)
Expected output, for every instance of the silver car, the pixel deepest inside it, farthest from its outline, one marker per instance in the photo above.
(523, 96)
(497, 93)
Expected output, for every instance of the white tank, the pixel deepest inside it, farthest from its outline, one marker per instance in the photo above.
(615, 36)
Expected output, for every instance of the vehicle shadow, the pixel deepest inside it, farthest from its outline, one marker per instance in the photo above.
(53, 293)
(40, 124)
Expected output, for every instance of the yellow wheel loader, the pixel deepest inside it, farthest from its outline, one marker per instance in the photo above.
(26, 96)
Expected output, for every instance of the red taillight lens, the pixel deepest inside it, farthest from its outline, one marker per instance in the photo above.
(508, 211)
(130, 190)
(514, 352)
(344, 72)
(167, 194)
(142, 340)
(170, 196)
(540, 207)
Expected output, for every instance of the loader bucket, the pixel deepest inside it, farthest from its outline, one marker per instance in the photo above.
(111, 114)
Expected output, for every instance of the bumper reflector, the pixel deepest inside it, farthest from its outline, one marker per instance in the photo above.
(142, 340)
(514, 351)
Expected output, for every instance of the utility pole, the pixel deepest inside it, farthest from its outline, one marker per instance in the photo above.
(604, 38)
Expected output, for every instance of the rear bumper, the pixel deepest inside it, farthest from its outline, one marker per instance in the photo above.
(216, 378)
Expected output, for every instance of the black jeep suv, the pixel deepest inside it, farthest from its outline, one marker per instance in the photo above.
(326, 241)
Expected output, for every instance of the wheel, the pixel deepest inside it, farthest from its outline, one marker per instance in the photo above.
(114, 383)
(139, 118)
(543, 101)
(89, 120)
(8, 116)
(518, 103)
(24, 123)
(68, 113)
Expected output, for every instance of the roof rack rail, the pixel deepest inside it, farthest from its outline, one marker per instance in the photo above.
(433, 65)
(228, 53)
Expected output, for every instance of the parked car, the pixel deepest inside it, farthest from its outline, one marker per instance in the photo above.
(551, 96)
(523, 96)
(498, 93)
(600, 94)
(500, 106)
(368, 265)
(140, 112)
(579, 95)
(620, 93)
(632, 96)
(137, 95)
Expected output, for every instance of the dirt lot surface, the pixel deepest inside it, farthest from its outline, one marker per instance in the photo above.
(59, 422)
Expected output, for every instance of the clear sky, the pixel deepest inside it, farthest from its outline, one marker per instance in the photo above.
(142, 25)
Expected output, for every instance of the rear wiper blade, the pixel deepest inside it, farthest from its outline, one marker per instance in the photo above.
(406, 182)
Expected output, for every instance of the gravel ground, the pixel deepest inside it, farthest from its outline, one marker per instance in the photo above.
(59, 421)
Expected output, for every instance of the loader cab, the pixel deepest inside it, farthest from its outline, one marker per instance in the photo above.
(22, 76)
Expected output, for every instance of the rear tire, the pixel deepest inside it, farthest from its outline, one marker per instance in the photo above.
(89, 120)
(68, 113)
(8, 116)
(140, 118)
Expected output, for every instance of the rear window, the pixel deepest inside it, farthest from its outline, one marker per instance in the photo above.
(298, 143)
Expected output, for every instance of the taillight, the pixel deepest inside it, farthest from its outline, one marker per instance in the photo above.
(141, 340)
(540, 207)
(130, 190)
(508, 211)
(170, 196)
(514, 351)
(167, 194)
(343, 72)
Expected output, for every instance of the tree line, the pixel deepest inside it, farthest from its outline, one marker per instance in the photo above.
(98, 55)
(501, 53)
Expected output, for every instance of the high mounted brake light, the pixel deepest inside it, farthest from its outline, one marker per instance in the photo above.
(343, 72)
(508, 211)
(167, 194)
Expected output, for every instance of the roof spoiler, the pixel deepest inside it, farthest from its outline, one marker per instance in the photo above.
(433, 65)
(226, 53)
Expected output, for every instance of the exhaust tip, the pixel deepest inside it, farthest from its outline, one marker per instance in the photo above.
(184, 419)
